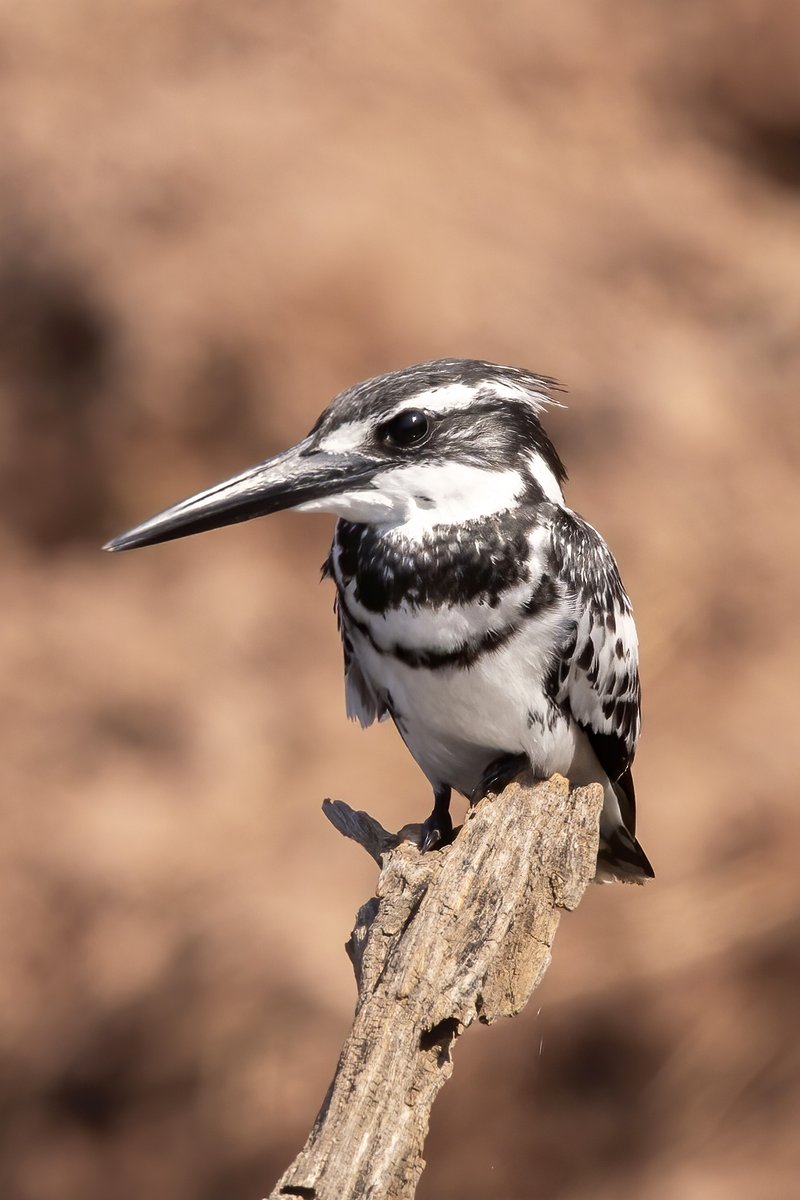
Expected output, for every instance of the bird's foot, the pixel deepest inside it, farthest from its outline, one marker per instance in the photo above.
(430, 834)
(437, 830)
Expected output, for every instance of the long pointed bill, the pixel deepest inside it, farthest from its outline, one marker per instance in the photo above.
(299, 476)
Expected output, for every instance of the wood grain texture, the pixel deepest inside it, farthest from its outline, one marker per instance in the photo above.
(451, 936)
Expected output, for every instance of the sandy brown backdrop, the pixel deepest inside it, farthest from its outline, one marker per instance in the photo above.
(214, 216)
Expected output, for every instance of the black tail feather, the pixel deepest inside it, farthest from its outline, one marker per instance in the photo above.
(621, 857)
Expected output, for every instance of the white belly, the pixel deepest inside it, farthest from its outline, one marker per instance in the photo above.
(457, 720)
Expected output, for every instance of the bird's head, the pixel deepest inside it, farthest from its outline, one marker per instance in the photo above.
(446, 441)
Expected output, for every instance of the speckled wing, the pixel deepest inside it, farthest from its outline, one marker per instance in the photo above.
(597, 675)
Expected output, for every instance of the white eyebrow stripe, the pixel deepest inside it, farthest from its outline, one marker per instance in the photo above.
(453, 396)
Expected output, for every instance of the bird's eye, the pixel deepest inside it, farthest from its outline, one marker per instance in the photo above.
(409, 428)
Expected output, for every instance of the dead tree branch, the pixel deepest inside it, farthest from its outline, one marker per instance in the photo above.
(452, 935)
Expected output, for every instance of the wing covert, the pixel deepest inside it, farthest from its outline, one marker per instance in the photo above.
(597, 675)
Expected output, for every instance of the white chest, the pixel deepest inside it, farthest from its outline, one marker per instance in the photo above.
(457, 717)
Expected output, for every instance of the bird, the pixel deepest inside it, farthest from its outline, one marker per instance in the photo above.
(476, 610)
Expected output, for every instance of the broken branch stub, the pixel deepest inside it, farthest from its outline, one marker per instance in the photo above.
(451, 936)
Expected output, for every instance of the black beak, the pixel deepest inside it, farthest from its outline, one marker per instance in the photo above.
(298, 476)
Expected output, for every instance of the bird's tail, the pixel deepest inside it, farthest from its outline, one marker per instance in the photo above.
(622, 858)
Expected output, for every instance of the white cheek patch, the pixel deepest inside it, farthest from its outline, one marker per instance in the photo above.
(448, 493)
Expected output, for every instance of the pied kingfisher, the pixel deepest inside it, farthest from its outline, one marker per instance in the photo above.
(476, 609)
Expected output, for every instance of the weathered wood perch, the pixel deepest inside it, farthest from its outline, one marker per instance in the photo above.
(452, 935)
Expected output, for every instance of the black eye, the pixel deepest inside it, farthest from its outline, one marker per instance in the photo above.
(409, 428)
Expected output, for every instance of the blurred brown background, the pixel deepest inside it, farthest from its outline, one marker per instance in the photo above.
(214, 216)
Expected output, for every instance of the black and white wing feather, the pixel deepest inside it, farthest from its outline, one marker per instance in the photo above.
(597, 677)
(361, 701)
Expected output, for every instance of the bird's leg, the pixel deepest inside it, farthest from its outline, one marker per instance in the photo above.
(499, 774)
(438, 829)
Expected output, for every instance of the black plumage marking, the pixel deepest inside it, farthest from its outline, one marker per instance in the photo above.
(626, 795)
(544, 595)
(459, 565)
(499, 773)
(545, 720)
(586, 656)
(490, 432)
